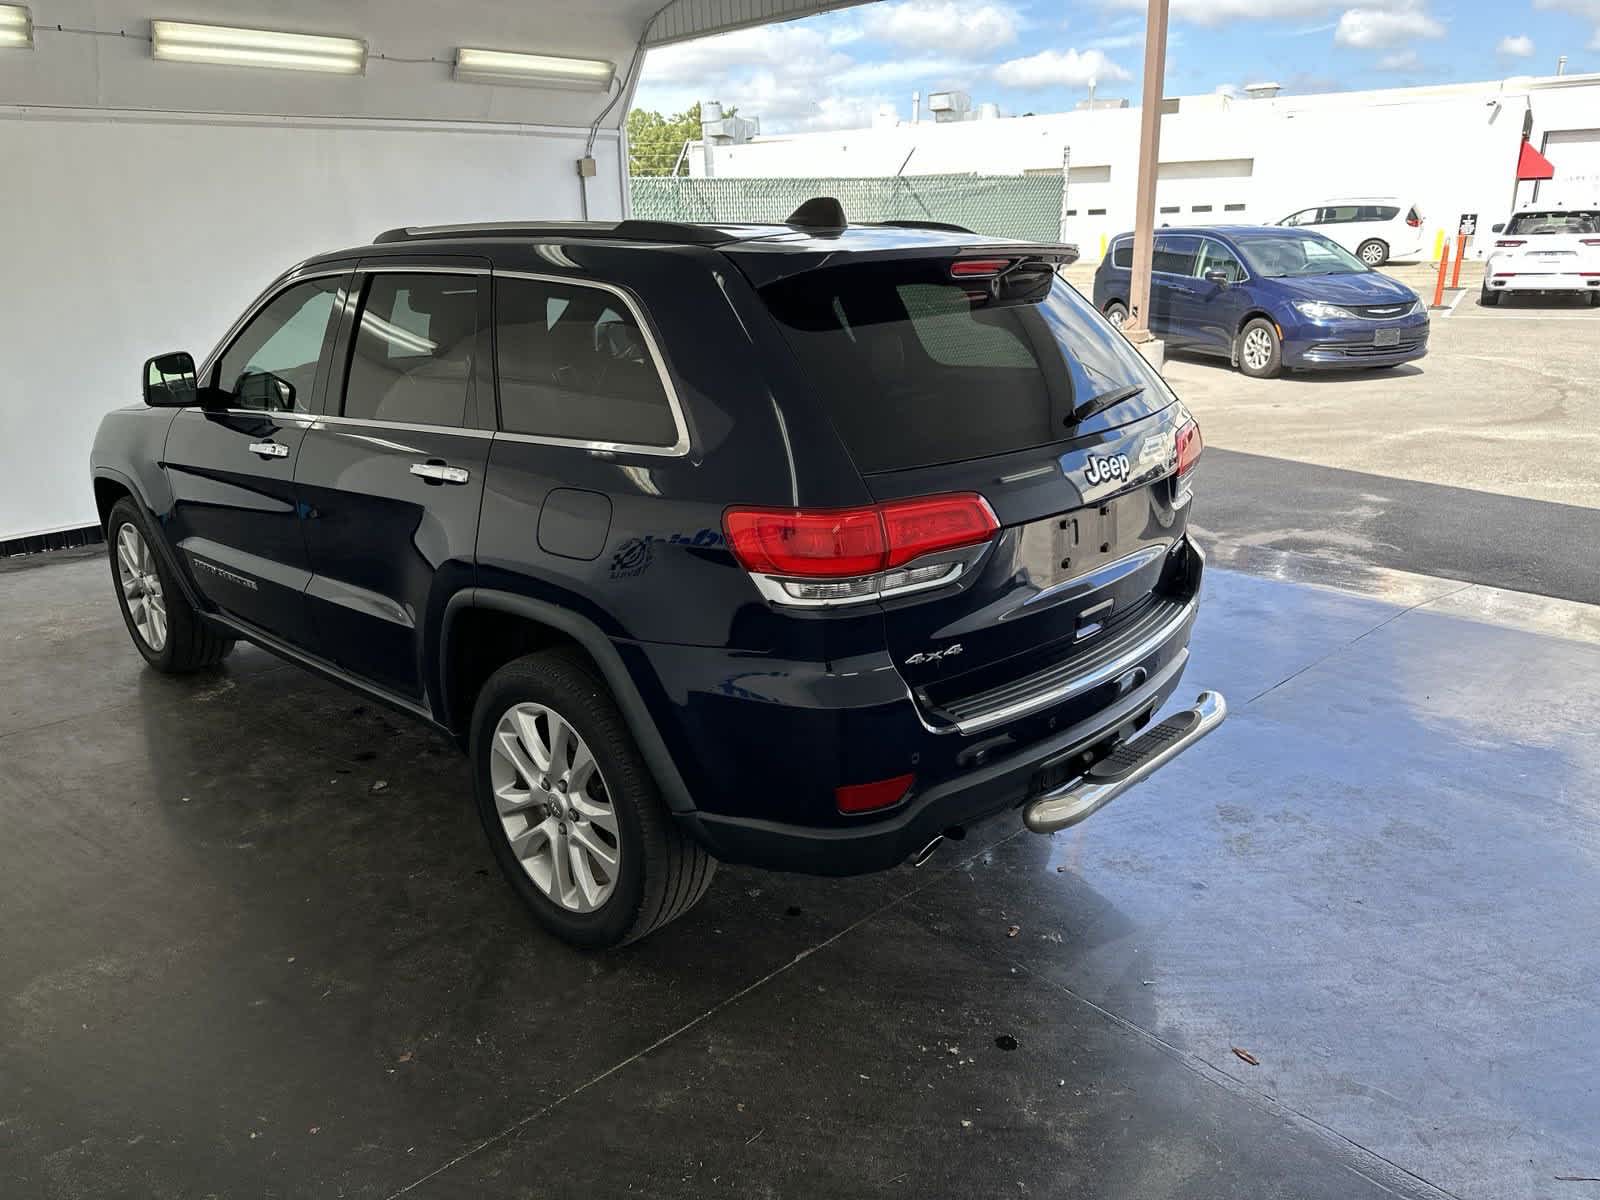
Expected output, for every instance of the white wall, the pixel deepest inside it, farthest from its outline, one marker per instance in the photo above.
(133, 234)
(145, 203)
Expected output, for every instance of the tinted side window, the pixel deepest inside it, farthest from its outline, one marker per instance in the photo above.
(1381, 212)
(412, 356)
(272, 364)
(1122, 255)
(574, 364)
(1340, 214)
(1219, 258)
(1175, 254)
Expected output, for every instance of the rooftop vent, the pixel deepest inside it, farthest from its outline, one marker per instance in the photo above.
(1262, 91)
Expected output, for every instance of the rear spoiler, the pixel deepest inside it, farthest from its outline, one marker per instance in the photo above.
(764, 265)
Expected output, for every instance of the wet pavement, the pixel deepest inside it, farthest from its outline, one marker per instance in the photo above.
(232, 963)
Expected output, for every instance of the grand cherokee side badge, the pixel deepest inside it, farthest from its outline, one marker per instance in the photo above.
(1101, 468)
(933, 656)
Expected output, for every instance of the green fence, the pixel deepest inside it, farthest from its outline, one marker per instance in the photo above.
(1018, 206)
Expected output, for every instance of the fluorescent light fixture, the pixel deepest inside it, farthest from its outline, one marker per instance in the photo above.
(222, 45)
(16, 27)
(533, 70)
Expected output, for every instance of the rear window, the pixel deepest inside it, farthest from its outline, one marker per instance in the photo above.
(1565, 221)
(916, 369)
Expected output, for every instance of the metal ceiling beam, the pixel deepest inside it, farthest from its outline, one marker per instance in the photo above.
(682, 20)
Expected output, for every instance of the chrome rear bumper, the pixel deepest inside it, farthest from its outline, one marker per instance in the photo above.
(1133, 761)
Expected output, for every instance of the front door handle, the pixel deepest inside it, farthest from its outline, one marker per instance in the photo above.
(269, 449)
(435, 472)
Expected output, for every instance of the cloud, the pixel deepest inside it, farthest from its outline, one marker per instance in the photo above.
(942, 25)
(1401, 60)
(1520, 46)
(1212, 13)
(1584, 10)
(1058, 68)
(1375, 28)
(794, 49)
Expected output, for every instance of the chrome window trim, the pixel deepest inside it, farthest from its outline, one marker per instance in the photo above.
(413, 427)
(680, 446)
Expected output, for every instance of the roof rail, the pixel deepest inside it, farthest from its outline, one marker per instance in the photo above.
(947, 226)
(672, 232)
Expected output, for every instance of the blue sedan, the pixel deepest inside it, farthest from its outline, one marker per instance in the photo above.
(1268, 299)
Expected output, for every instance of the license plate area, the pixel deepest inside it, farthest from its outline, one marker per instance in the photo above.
(1072, 544)
(1386, 337)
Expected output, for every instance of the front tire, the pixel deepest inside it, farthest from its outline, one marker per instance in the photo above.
(1260, 350)
(570, 809)
(165, 627)
(1373, 252)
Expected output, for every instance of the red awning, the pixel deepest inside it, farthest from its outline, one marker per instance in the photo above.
(1533, 165)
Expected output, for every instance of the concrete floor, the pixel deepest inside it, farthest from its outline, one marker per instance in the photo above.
(232, 963)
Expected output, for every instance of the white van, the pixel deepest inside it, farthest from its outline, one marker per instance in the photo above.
(1376, 229)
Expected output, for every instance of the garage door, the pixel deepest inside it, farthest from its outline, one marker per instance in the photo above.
(1575, 155)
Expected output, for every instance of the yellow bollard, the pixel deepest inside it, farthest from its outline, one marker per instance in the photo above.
(1438, 245)
(1102, 245)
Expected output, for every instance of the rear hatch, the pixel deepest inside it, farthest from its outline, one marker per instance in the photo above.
(1555, 242)
(940, 379)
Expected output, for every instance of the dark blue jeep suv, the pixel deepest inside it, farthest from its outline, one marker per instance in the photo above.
(800, 545)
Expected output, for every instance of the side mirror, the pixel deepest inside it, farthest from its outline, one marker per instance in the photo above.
(1498, 227)
(264, 392)
(169, 381)
(1217, 277)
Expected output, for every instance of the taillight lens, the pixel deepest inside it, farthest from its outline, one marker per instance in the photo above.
(1414, 220)
(1190, 444)
(1589, 241)
(842, 543)
(1511, 242)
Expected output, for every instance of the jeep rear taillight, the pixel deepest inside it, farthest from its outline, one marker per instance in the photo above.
(845, 555)
(1190, 444)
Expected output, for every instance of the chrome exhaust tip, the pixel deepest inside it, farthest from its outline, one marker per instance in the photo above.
(926, 852)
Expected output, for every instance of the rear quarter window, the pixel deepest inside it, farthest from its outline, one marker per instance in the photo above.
(1122, 255)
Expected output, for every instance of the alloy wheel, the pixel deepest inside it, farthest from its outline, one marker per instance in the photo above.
(1257, 349)
(1117, 315)
(141, 587)
(554, 807)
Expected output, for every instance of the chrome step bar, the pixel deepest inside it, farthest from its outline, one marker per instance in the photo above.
(1130, 763)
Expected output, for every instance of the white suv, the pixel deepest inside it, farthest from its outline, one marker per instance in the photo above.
(1375, 229)
(1545, 250)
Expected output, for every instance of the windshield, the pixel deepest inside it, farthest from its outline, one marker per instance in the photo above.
(1283, 256)
(917, 369)
(1554, 222)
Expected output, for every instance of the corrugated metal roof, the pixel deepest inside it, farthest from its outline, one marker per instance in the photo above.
(685, 19)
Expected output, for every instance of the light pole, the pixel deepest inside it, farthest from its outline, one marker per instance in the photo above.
(1144, 218)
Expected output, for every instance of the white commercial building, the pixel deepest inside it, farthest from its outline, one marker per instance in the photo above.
(1450, 150)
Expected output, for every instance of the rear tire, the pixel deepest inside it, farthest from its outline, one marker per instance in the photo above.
(1117, 313)
(1373, 252)
(591, 849)
(166, 629)
(1488, 299)
(1594, 299)
(1260, 352)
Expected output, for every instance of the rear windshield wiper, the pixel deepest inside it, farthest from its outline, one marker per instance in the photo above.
(1105, 400)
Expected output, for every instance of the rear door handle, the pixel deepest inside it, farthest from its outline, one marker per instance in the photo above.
(269, 449)
(439, 473)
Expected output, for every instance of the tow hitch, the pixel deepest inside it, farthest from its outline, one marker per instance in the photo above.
(1134, 760)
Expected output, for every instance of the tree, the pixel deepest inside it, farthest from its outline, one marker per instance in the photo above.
(655, 142)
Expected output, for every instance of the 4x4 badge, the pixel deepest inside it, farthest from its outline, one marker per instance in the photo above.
(933, 656)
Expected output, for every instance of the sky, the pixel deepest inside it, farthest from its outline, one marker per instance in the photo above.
(834, 70)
